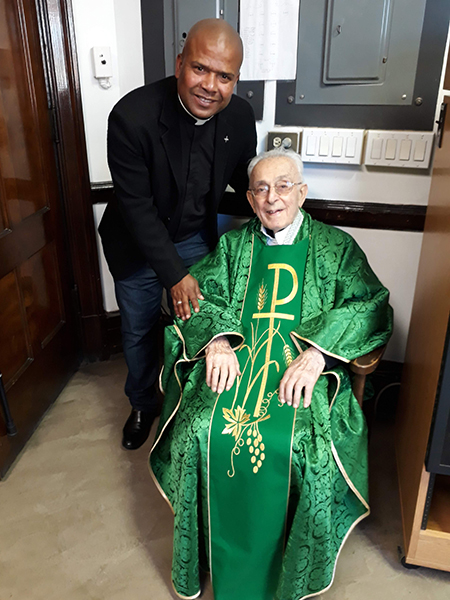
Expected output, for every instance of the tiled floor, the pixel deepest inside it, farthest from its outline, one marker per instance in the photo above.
(82, 520)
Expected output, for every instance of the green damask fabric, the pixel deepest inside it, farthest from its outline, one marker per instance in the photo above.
(345, 313)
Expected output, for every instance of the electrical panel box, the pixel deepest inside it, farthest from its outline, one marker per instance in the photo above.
(364, 54)
(366, 64)
(366, 29)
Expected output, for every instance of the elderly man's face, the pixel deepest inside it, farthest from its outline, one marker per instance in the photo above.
(207, 72)
(276, 211)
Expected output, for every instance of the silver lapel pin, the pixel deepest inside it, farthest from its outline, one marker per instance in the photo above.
(226, 139)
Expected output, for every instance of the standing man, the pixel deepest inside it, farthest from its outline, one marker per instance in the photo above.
(173, 146)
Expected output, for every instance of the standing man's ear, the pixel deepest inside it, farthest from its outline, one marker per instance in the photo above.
(178, 63)
(251, 200)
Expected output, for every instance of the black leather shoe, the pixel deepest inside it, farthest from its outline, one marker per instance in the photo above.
(136, 429)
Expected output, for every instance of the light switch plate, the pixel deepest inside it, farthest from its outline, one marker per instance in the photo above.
(328, 145)
(401, 149)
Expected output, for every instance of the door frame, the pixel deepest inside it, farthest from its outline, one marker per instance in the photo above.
(59, 52)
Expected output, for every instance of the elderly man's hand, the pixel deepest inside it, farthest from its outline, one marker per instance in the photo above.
(222, 365)
(184, 292)
(302, 374)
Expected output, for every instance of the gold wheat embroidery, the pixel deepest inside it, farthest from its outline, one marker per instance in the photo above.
(262, 296)
(287, 354)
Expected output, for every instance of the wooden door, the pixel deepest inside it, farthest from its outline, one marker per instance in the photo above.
(38, 340)
(427, 540)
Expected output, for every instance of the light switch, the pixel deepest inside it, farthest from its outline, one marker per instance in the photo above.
(337, 146)
(377, 145)
(419, 150)
(405, 150)
(324, 145)
(391, 149)
(311, 145)
(351, 147)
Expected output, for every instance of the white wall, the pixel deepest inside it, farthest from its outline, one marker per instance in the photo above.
(116, 24)
(109, 297)
(393, 255)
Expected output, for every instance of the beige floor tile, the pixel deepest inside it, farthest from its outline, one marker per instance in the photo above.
(82, 519)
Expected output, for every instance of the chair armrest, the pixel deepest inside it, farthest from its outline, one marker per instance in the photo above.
(364, 365)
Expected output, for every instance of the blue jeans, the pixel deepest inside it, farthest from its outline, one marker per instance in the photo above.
(139, 299)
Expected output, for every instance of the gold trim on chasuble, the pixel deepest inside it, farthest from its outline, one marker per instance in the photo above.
(311, 343)
(248, 485)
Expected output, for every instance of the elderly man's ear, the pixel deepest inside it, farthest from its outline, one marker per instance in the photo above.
(303, 194)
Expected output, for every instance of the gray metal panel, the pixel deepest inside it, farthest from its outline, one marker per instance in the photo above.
(405, 34)
(416, 117)
(364, 26)
(253, 92)
(230, 13)
(153, 40)
(169, 37)
(187, 13)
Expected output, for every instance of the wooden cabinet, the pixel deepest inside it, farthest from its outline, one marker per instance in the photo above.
(424, 496)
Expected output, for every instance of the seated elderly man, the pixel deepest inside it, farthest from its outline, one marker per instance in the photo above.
(265, 487)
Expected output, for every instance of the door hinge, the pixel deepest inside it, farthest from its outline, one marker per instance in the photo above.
(441, 124)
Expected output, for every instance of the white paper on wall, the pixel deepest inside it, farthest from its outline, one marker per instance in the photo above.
(269, 30)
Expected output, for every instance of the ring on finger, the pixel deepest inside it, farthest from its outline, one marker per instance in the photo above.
(180, 302)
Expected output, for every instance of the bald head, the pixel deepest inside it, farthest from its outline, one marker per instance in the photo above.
(208, 68)
(225, 37)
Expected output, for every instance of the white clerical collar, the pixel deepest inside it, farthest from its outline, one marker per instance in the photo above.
(286, 236)
(197, 120)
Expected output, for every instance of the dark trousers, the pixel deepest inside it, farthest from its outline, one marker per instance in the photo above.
(139, 299)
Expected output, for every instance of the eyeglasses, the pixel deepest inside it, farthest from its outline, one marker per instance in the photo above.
(282, 188)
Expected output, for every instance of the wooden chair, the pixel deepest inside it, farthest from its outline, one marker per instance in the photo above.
(363, 366)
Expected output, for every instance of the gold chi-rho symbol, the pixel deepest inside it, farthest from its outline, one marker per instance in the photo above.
(272, 315)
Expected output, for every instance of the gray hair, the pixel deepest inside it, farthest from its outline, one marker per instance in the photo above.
(277, 153)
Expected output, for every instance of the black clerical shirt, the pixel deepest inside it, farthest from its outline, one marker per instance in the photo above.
(197, 146)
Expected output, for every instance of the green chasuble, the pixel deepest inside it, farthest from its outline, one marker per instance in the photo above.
(323, 486)
(249, 473)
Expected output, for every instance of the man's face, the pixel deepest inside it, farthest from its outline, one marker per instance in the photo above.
(207, 72)
(276, 211)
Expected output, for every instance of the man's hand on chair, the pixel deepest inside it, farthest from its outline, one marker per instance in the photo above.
(184, 293)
